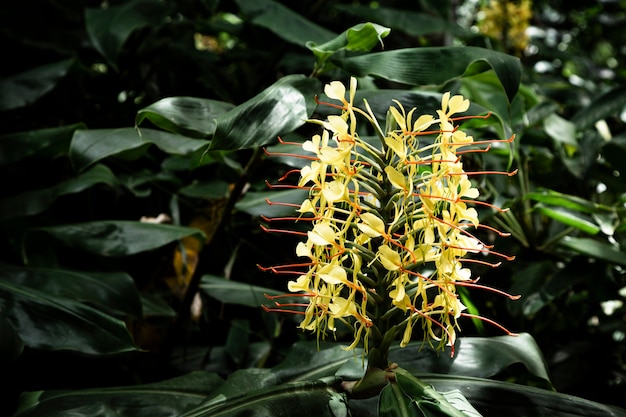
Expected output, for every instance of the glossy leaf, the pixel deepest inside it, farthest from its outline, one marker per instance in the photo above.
(594, 249)
(188, 116)
(569, 218)
(34, 202)
(113, 238)
(236, 292)
(566, 201)
(277, 110)
(56, 322)
(394, 403)
(283, 22)
(284, 400)
(271, 203)
(25, 88)
(43, 143)
(114, 292)
(168, 398)
(90, 146)
(435, 65)
(110, 27)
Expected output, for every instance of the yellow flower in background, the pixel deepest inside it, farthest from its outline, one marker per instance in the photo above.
(506, 21)
(390, 224)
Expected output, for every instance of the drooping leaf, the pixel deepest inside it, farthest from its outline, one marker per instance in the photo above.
(110, 27)
(90, 146)
(112, 238)
(34, 202)
(435, 65)
(169, 398)
(569, 218)
(188, 116)
(114, 292)
(47, 321)
(283, 22)
(27, 87)
(277, 110)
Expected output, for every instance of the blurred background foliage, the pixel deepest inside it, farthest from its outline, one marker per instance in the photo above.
(185, 281)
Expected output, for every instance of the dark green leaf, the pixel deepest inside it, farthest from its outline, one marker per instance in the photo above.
(113, 238)
(90, 146)
(114, 292)
(594, 249)
(168, 398)
(109, 27)
(569, 218)
(34, 202)
(11, 346)
(43, 143)
(566, 201)
(435, 65)
(235, 292)
(271, 203)
(602, 106)
(188, 116)
(47, 321)
(237, 340)
(279, 109)
(283, 22)
(27, 87)
(394, 403)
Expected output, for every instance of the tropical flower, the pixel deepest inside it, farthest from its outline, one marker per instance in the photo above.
(391, 225)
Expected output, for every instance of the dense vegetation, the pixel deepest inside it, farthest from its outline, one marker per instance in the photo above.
(137, 144)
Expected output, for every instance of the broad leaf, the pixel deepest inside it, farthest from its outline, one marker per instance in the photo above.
(43, 143)
(168, 398)
(27, 87)
(271, 203)
(114, 292)
(55, 322)
(110, 27)
(283, 22)
(566, 201)
(235, 292)
(569, 218)
(435, 65)
(277, 110)
(188, 116)
(90, 146)
(112, 238)
(34, 202)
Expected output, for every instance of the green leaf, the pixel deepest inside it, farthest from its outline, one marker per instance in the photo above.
(394, 403)
(11, 346)
(34, 202)
(168, 398)
(43, 143)
(569, 218)
(491, 397)
(109, 27)
(317, 398)
(235, 292)
(90, 146)
(237, 340)
(563, 134)
(256, 203)
(188, 116)
(411, 23)
(594, 249)
(602, 106)
(566, 201)
(435, 65)
(112, 238)
(47, 321)
(27, 87)
(114, 292)
(283, 22)
(279, 109)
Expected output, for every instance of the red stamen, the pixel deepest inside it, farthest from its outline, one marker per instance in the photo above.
(290, 232)
(509, 174)
(485, 287)
(501, 327)
(294, 155)
(455, 119)
(293, 171)
(274, 203)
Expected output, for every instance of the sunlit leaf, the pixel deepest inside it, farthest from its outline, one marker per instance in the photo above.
(25, 88)
(277, 110)
(435, 65)
(168, 398)
(33, 202)
(189, 116)
(90, 146)
(109, 27)
(569, 218)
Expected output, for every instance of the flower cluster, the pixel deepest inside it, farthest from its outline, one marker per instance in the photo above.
(390, 223)
(507, 21)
